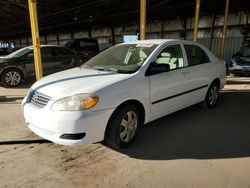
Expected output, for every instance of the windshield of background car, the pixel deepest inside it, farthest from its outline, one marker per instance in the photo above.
(19, 53)
(124, 58)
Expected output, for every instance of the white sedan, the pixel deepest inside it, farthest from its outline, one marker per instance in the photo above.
(113, 94)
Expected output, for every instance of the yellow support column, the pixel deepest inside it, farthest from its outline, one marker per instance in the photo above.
(212, 32)
(222, 46)
(142, 19)
(196, 20)
(35, 38)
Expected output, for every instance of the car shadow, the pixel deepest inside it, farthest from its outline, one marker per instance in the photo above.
(15, 142)
(196, 133)
(10, 99)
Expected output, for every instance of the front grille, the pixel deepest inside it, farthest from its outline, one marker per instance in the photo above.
(39, 99)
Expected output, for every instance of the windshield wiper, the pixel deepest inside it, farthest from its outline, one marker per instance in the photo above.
(105, 69)
(86, 66)
(125, 71)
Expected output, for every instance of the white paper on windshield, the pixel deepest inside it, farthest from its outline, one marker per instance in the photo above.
(144, 45)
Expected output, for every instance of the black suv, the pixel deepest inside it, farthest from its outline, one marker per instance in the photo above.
(86, 47)
(17, 66)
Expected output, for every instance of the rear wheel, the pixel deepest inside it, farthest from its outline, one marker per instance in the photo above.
(211, 96)
(122, 127)
(12, 77)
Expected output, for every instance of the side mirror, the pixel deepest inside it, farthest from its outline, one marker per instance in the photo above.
(155, 68)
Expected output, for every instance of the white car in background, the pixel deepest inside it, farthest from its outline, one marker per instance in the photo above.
(127, 85)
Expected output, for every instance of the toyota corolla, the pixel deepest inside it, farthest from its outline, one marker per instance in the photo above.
(113, 94)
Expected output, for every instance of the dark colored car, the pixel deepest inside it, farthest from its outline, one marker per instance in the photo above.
(19, 65)
(86, 47)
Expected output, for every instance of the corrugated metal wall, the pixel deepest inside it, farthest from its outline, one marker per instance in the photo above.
(168, 29)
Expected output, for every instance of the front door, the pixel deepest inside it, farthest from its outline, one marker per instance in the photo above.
(167, 89)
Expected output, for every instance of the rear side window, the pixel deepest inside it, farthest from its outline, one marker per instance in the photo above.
(61, 51)
(46, 52)
(195, 55)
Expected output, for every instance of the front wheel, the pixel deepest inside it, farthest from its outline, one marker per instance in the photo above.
(12, 77)
(211, 96)
(122, 127)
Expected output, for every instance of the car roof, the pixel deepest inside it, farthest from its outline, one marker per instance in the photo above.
(48, 45)
(43, 45)
(159, 41)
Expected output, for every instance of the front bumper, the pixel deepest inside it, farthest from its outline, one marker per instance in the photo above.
(52, 125)
(240, 69)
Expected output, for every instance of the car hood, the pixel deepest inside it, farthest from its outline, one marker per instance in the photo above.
(77, 80)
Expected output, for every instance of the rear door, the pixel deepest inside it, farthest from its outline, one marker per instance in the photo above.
(199, 68)
(63, 58)
(47, 60)
(56, 59)
(28, 60)
(167, 89)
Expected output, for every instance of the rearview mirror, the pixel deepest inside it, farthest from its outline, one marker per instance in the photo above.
(155, 68)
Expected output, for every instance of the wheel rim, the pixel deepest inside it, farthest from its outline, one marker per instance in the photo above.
(12, 78)
(128, 126)
(213, 95)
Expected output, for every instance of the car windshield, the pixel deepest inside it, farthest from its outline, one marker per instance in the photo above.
(123, 58)
(19, 53)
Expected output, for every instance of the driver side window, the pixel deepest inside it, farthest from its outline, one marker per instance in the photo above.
(171, 55)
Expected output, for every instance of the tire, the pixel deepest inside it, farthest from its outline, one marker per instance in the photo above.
(212, 96)
(123, 127)
(12, 77)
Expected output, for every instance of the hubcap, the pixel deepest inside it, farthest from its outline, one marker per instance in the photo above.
(12, 78)
(128, 126)
(213, 95)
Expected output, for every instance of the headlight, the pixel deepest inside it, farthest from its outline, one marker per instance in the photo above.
(76, 102)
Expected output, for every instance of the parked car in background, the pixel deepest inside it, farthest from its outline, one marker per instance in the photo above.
(123, 87)
(4, 52)
(86, 47)
(240, 64)
(19, 65)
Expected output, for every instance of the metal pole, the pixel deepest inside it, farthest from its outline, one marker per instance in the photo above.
(224, 30)
(90, 36)
(57, 38)
(245, 35)
(184, 28)
(162, 29)
(46, 38)
(142, 19)
(212, 32)
(20, 42)
(113, 35)
(35, 38)
(196, 20)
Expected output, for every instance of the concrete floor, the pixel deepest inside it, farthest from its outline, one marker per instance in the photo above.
(194, 147)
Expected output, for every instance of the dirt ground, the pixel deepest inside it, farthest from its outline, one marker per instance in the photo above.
(194, 147)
